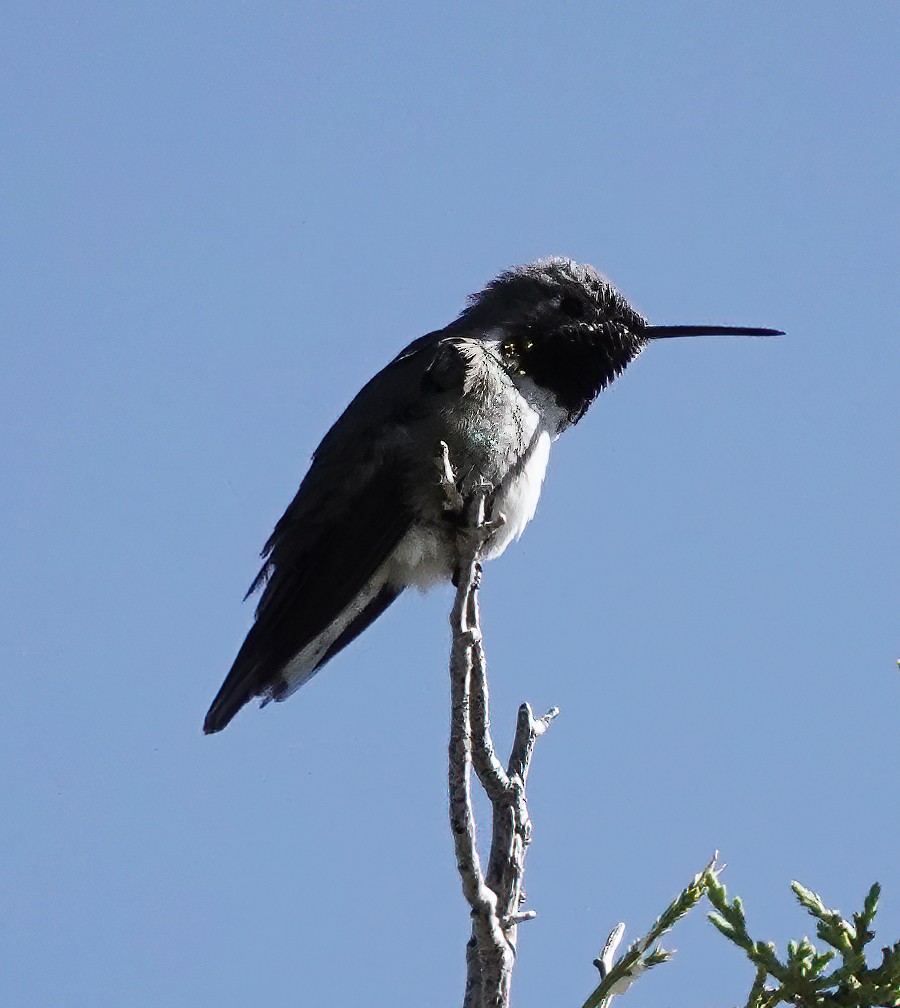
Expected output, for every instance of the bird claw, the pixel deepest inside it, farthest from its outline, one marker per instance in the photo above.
(456, 491)
(453, 499)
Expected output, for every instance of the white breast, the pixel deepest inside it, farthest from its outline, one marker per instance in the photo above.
(541, 420)
(424, 555)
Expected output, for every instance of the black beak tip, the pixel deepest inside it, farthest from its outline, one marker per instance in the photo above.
(758, 332)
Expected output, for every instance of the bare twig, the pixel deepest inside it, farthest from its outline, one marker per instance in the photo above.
(512, 826)
(494, 899)
(492, 958)
(490, 770)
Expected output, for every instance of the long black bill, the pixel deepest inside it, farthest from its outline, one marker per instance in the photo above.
(671, 331)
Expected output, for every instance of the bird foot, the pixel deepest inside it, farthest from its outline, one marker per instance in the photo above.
(453, 499)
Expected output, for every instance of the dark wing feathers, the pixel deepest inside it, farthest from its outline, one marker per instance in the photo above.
(350, 512)
(316, 569)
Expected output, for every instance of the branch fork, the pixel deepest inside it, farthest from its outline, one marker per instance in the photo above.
(495, 895)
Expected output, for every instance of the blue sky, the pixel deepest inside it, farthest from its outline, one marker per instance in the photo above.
(219, 220)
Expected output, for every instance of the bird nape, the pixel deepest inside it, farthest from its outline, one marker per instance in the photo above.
(521, 364)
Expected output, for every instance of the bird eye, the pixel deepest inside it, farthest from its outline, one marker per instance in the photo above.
(571, 306)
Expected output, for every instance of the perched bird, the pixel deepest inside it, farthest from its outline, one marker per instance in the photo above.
(520, 365)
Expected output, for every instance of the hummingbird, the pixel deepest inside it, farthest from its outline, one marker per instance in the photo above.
(521, 364)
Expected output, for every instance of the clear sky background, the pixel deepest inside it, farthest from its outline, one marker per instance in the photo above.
(219, 220)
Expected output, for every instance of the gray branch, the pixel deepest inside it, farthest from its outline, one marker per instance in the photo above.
(495, 897)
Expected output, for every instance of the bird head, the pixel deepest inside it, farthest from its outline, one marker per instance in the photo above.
(564, 326)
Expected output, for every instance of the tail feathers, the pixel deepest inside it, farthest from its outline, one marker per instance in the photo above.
(223, 709)
(252, 675)
(365, 618)
(243, 682)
